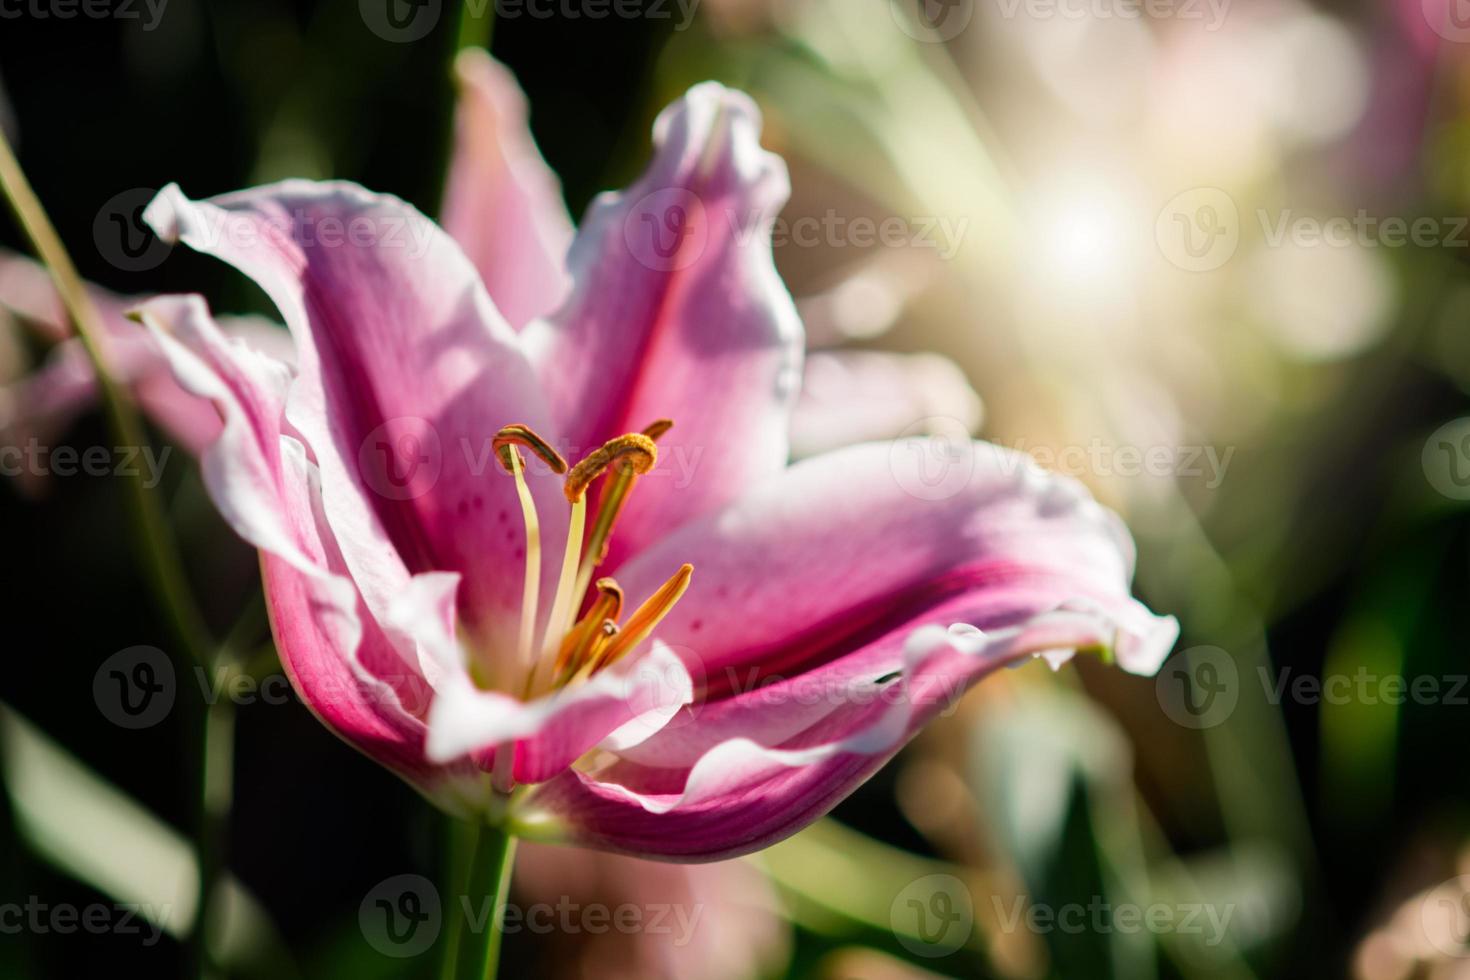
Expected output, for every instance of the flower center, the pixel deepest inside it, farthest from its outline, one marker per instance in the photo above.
(573, 649)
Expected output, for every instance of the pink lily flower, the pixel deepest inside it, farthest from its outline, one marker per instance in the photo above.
(440, 614)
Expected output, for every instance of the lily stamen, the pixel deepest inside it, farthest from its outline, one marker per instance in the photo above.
(629, 457)
(634, 452)
(644, 619)
(517, 434)
(572, 650)
(530, 590)
(581, 640)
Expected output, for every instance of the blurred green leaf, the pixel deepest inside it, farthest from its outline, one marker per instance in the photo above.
(87, 828)
(1057, 776)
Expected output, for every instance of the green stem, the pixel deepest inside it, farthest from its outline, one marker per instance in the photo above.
(216, 741)
(153, 538)
(155, 545)
(455, 843)
(476, 22)
(491, 863)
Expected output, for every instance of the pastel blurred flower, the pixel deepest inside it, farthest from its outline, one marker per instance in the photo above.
(718, 921)
(850, 396)
(404, 571)
(40, 404)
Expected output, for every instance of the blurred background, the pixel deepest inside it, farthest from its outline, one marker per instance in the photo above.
(1209, 256)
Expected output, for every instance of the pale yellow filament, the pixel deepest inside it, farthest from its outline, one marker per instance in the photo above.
(530, 593)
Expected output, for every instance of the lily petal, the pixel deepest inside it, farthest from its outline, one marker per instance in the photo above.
(547, 734)
(405, 372)
(742, 795)
(677, 312)
(348, 671)
(864, 542)
(502, 203)
(900, 586)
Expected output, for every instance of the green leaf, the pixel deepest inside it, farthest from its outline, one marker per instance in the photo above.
(89, 829)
